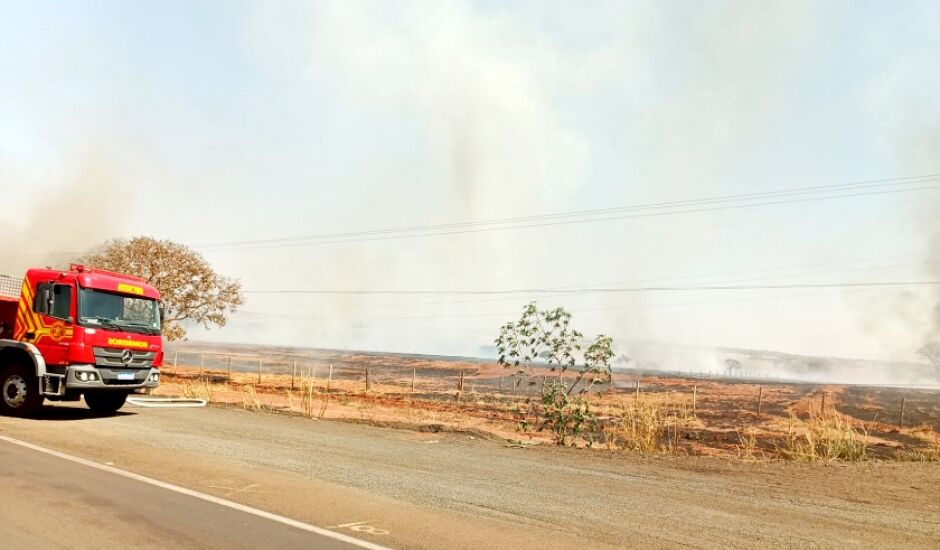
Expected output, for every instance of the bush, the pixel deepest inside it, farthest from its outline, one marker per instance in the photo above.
(543, 342)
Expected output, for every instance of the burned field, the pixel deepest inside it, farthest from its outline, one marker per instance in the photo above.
(648, 413)
(884, 404)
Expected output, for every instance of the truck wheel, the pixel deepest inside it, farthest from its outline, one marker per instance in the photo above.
(19, 391)
(105, 402)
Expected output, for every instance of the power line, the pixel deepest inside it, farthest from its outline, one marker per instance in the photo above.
(670, 208)
(766, 287)
(572, 290)
(600, 211)
(573, 310)
(596, 215)
(568, 222)
(551, 291)
(625, 307)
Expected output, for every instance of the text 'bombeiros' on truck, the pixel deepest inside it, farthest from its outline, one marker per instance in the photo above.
(82, 332)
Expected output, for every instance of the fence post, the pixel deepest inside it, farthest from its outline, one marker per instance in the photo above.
(229, 369)
(901, 417)
(202, 364)
(460, 384)
(176, 358)
(368, 379)
(293, 374)
(259, 370)
(760, 399)
(414, 376)
(329, 381)
(694, 396)
(822, 407)
(637, 396)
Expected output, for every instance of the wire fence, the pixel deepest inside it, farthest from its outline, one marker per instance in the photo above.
(388, 375)
(391, 376)
(466, 378)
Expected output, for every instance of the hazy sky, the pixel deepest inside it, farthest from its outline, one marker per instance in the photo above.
(213, 122)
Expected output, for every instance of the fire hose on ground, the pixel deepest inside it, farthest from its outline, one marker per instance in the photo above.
(166, 402)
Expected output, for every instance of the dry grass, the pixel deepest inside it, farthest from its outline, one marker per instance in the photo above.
(930, 452)
(200, 389)
(651, 424)
(250, 399)
(747, 447)
(824, 437)
(307, 401)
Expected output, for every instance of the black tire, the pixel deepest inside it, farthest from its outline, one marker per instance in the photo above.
(19, 391)
(105, 402)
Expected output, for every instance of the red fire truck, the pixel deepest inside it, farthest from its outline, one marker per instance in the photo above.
(78, 333)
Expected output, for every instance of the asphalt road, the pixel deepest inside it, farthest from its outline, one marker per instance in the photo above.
(404, 489)
(51, 502)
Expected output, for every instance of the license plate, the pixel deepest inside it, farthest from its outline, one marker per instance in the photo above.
(125, 375)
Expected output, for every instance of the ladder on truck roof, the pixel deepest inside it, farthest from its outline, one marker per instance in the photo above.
(10, 287)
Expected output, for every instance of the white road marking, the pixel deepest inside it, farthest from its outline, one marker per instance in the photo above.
(368, 529)
(202, 496)
(234, 491)
(361, 527)
(349, 524)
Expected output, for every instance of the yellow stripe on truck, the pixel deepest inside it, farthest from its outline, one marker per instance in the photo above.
(120, 342)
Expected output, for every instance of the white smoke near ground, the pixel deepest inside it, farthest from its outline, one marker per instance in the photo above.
(901, 105)
(930, 338)
(766, 366)
(924, 151)
(921, 149)
(902, 322)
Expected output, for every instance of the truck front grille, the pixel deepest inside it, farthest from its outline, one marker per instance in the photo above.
(112, 358)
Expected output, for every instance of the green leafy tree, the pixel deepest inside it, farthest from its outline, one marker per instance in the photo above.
(542, 342)
(191, 290)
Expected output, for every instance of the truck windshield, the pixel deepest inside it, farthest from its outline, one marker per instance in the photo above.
(98, 308)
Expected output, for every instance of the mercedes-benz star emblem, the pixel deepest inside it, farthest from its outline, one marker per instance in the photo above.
(127, 356)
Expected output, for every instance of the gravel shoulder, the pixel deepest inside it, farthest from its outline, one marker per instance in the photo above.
(427, 490)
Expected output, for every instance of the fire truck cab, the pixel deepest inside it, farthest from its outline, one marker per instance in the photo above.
(78, 333)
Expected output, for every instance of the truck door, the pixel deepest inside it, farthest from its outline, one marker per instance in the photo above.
(52, 323)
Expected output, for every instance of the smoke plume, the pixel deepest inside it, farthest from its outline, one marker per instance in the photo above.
(69, 213)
